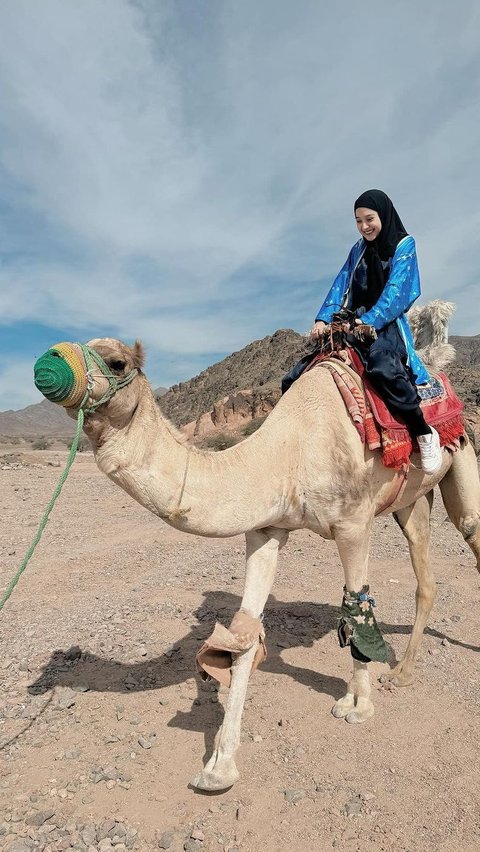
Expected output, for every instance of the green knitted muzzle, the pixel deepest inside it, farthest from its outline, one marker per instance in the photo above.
(60, 375)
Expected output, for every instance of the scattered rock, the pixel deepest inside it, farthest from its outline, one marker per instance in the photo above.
(89, 834)
(20, 845)
(165, 840)
(354, 806)
(197, 834)
(66, 699)
(293, 796)
(105, 828)
(73, 653)
(72, 754)
(39, 817)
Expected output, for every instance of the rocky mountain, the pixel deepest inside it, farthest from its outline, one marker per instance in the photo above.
(260, 366)
(467, 349)
(246, 385)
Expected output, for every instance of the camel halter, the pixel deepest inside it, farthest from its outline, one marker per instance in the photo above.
(64, 375)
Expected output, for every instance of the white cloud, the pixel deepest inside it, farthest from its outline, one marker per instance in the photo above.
(176, 171)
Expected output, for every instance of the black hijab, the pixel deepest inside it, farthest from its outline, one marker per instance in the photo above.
(383, 247)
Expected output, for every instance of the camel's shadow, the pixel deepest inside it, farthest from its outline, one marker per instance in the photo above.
(288, 625)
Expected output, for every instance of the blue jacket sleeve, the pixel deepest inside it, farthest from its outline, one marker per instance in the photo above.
(401, 289)
(334, 299)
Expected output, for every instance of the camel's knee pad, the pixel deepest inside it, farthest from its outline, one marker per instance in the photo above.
(358, 627)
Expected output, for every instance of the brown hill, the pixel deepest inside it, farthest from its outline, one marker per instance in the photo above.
(467, 349)
(41, 419)
(260, 365)
(245, 386)
(216, 398)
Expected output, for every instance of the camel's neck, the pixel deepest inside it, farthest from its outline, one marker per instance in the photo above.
(207, 493)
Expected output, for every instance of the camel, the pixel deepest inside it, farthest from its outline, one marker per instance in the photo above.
(304, 468)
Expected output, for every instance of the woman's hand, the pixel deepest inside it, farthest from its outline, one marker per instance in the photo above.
(318, 330)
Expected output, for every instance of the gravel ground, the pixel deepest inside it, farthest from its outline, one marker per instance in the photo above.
(103, 722)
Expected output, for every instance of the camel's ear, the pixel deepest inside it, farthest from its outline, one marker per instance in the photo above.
(138, 354)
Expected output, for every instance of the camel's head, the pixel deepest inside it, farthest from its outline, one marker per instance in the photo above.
(98, 377)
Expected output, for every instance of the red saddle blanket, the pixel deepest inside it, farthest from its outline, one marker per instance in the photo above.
(378, 428)
(443, 411)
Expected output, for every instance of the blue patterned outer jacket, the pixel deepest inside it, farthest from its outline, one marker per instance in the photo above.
(398, 295)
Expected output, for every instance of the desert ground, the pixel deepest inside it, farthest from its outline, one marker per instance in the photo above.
(103, 721)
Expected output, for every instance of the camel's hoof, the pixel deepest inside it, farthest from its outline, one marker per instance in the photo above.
(215, 780)
(397, 678)
(343, 707)
(357, 716)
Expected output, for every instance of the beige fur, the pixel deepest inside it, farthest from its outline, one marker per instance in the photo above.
(429, 324)
(304, 468)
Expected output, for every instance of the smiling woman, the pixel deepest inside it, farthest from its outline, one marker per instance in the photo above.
(378, 283)
(368, 223)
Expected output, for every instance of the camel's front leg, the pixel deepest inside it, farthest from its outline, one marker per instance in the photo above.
(262, 551)
(352, 538)
(414, 521)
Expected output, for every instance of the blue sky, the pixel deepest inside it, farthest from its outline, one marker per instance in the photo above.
(183, 171)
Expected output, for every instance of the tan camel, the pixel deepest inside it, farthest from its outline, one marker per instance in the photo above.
(304, 468)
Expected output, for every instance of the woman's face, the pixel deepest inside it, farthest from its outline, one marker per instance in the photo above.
(368, 223)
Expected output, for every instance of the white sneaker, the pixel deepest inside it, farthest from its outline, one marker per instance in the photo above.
(430, 451)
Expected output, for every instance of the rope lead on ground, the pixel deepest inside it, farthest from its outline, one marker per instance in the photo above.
(43, 522)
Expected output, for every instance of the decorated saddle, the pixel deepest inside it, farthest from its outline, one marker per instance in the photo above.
(441, 409)
(376, 425)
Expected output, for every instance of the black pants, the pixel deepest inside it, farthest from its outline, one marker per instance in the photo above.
(295, 372)
(387, 369)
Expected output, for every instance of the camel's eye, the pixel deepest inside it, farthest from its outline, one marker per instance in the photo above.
(116, 366)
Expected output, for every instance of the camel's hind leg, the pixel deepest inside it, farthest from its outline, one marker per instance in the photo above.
(460, 489)
(353, 542)
(414, 521)
(262, 551)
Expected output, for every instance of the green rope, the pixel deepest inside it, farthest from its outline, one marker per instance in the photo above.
(43, 522)
(114, 383)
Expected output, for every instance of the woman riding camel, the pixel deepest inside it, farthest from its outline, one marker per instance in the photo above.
(379, 283)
